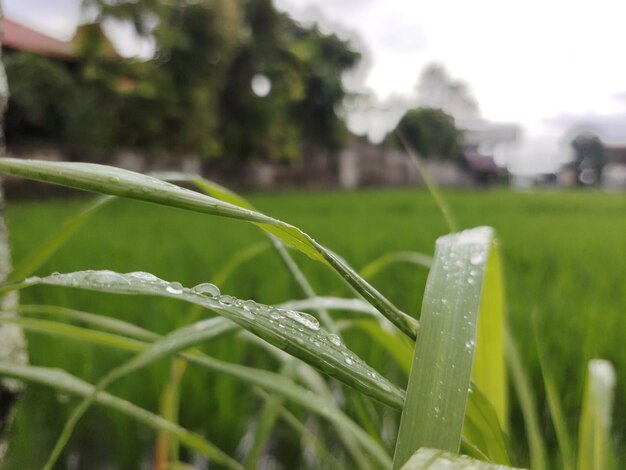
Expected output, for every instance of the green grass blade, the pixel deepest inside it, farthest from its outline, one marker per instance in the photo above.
(67, 383)
(430, 184)
(47, 248)
(434, 459)
(595, 449)
(297, 333)
(489, 368)
(440, 377)
(99, 321)
(124, 183)
(524, 391)
(566, 447)
(482, 429)
(86, 335)
(380, 264)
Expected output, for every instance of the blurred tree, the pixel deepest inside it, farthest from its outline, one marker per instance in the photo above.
(590, 157)
(302, 71)
(431, 132)
(36, 85)
(236, 79)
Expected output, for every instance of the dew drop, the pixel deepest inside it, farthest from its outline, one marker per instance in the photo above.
(275, 314)
(226, 300)
(469, 345)
(206, 288)
(143, 276)
(304, 319)
(471, 280)
(348, 360)
(477, 258)
(250, 306)
(174, 288)
(333, 338)
(113, 179)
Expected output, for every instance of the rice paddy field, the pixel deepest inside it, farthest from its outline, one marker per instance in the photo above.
(564, 262)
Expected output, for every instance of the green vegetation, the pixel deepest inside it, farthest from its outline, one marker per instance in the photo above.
(430, 132)
(561, 264)
(197, 95)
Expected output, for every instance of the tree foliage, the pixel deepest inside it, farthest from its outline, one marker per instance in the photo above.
(590, 157)
(431, 132)
(195, 95)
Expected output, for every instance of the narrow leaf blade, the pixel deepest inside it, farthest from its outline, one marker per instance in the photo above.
(297, 333)
(434, 409)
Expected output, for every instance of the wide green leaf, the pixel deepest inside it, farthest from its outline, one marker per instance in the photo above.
(116, 181)
(434, 459)
(438, 386)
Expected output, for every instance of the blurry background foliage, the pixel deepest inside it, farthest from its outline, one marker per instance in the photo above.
(194, 95)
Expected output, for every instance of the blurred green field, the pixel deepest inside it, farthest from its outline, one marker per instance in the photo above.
(565, 264)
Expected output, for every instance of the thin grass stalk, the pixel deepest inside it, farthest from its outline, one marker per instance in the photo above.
(167, 447)
(447, 213)
(523, 389)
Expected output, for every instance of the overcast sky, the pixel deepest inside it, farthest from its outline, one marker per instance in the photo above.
(546, 65)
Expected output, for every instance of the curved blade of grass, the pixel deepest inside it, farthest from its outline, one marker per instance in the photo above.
(524, 391)
(63, 381)
(595, 450)
(47, 248)
(434, 459)
(124, 183)
(100, 321)
(297, 333)
(379, 264)
(440, 377)
(482, 429)
(430, 184)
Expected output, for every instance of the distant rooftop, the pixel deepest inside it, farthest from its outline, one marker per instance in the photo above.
(18, 36)
(21, 37)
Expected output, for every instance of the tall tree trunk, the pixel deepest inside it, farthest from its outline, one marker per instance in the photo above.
(12, 342)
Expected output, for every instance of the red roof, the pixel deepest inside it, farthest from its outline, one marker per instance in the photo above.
(18, 36)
